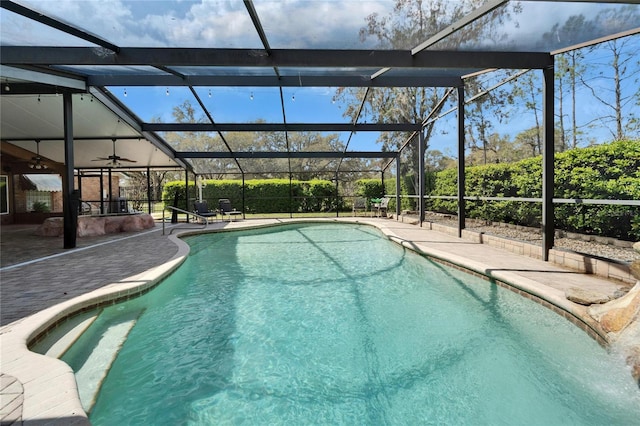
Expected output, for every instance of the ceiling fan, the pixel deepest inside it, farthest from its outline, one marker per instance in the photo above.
(114, 160)
(37, 162)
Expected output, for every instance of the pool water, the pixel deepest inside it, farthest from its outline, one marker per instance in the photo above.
(334, 324)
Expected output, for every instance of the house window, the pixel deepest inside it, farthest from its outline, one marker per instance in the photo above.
(4, 194)
(38, 197)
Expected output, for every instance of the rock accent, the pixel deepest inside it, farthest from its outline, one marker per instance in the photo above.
(633, 359)
(635, 265)
(620, 318)
(51, 227)
(616, 320)
(585, 297)
(92, 226)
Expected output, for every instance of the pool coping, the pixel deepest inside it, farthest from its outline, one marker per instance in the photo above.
(50, 393)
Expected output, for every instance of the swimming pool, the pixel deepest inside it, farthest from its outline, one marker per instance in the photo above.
(334, 324)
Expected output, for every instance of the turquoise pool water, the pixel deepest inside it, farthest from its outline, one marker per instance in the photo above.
(334, 324)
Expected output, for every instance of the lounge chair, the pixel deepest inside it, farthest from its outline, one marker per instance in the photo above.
(224, 205)
(202, 209)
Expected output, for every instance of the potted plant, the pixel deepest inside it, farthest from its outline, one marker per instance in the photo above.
(40, 207)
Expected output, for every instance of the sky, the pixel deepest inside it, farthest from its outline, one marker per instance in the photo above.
(288, 24)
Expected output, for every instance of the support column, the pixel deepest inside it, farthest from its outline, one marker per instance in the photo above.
(69, 195)
(102, 211)
(548, 226)
(337, 195)
(148, 190)
(110, 205)
(398, 187)
(421, 150)
(461, 162)
(290, 191)
(80, 183)
(243, 196)
(186, 191)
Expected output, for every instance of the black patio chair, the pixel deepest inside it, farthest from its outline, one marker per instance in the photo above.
(202, 209)
(224, 206)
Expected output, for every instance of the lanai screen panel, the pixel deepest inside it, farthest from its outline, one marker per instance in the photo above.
(317, 24)
(543, 26)
(17, 30)
(214, 23)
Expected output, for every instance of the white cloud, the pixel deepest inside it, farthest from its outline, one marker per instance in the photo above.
(317, 24)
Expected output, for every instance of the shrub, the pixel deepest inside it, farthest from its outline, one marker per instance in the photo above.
(601, 172)
(259, 195)
(369, 188)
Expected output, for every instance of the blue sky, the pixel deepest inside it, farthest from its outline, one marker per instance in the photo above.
(315, 105)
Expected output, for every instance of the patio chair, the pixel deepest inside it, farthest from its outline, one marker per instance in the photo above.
(359, 204)
(224, 205)
(382, 207)
(202, 209)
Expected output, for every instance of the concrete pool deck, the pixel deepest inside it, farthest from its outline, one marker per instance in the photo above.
(43, 284)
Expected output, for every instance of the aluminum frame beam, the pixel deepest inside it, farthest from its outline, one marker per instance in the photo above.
(280, 127)
(317, 58)
(284, 154)
(333, 80)
(44, 80)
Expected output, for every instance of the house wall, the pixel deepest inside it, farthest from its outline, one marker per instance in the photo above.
(90, 191)
(18, 199)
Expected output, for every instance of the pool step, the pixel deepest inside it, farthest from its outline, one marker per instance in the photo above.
(94, 369)
(57, 342)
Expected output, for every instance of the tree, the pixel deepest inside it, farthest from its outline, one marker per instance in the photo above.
(136, 186)
(208, 168)
(498, 149)
(568, 70)
(529, 141)
(488, 105)
(529, 89)
(256, 168)
(410, 23)
(610, 85)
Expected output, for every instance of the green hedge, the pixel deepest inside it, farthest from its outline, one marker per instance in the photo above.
(261, 195)
(320, 195)
(390, 189)
(173, 194)
(609, 171)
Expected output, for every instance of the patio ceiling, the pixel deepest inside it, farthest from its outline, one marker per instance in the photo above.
(26, 119)
(255, 44)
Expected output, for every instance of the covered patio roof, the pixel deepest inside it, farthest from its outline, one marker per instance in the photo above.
(30, 118)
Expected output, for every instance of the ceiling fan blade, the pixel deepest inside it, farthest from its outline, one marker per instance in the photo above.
(115, 158)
